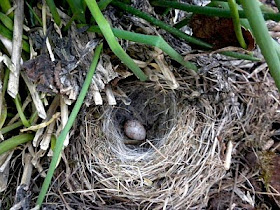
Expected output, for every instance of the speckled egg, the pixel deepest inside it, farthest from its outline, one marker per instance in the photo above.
(134, 130)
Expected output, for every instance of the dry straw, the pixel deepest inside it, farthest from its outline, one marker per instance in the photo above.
(187, 130)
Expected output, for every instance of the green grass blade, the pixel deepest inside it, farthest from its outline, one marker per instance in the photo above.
(219, 4)
(62, 135)
(236, 23)
(11, 127)
(4, 105)
(4, 112)
(177, 32)
(240, 56)
(263, 39)
(5, 32)
(244, 22)
(9, 35)
(5, 82)
(14, 141)
(6, 6)
(210, 11)
(34, 13)
(78, 9)
(182, 23)
(20, 112)
(102, 4)
(264, 7)
(6, 21)
(161, 24)
(54, 12)
(18, 124)
(151, 40)
(69, 23)
(111, 40)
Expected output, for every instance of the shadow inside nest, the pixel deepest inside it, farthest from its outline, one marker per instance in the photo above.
(154, 109)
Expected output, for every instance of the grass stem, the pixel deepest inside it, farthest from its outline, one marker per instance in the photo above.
(175, 31)
(13, 84)
(54, 12)
(151, 40)
(11, 127)
(236, 23)
(14, 141)
(263, 39)
(64, 132)
(111, 40)
(6, 6)
(210, 11)
(161, 24)
(20, 112)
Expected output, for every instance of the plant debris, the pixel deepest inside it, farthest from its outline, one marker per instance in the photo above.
(191, 119)
(41, 70)
(218, 31)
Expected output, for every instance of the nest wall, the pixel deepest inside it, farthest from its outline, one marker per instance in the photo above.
(183, 155)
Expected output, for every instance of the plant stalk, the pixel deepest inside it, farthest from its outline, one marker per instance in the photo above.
(111, 40)
(210, 11)
(236, 23)
(161, 24)
(263, 39)
(14, 141)
(64, 132)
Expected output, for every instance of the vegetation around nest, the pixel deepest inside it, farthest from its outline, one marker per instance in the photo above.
(76, 52)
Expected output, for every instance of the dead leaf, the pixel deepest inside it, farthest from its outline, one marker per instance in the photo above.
(40, 70)
(218, 31)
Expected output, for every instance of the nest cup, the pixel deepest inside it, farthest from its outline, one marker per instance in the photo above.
(154, 109)
(174, 167)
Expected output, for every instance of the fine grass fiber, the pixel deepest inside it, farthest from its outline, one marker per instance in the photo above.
(182, 157)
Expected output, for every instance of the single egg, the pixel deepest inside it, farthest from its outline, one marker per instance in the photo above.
(134, 130)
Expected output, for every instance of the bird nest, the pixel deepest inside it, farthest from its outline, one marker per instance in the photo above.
(176, 164)
(182, 156)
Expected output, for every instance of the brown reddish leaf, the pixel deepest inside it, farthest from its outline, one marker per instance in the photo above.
(218, 31)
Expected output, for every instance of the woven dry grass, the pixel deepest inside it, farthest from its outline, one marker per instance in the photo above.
(183, 155)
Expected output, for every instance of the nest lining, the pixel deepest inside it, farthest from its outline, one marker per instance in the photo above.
(153, 109)
(185, 153)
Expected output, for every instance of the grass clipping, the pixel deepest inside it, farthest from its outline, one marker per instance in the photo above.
(182, 157)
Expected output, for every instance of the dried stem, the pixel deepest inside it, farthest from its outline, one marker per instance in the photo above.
(17, 47)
